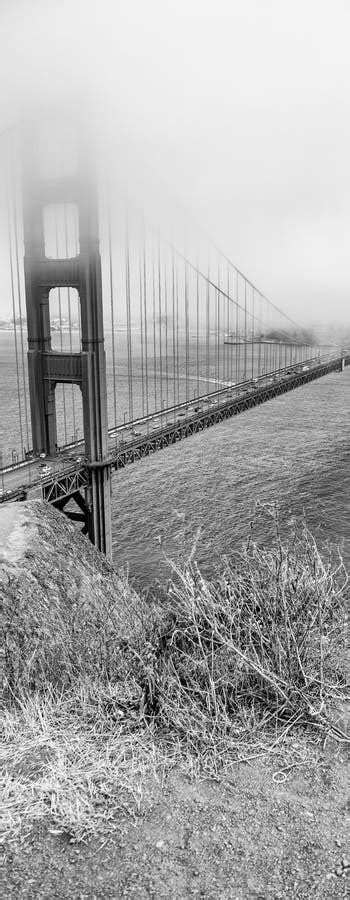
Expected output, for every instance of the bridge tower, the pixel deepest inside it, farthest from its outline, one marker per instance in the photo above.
(48, 367)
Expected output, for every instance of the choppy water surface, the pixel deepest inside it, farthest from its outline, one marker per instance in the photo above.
(294, 449)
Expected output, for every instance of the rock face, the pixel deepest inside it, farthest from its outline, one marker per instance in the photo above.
(67, 611)
(30, 528)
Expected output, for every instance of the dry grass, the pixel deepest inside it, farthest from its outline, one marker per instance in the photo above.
(262, 646)
(77, 774)
(63, 633)
(208, 674)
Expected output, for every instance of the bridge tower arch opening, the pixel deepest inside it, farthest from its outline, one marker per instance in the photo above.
(61, 253)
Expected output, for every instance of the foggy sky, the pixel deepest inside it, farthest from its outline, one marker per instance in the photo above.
(238, 109)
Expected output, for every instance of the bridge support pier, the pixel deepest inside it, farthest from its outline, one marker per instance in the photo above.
(48, 367)
(85, 511)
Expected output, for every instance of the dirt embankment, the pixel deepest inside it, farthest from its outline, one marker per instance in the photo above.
(272, 827)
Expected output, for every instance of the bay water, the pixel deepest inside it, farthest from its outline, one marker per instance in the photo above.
(293, 450)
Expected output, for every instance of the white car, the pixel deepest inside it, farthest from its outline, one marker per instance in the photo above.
(45, 471)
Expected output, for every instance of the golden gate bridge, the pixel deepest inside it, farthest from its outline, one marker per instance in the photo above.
(124, 338)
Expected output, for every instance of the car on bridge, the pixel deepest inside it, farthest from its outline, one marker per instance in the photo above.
(45, 471)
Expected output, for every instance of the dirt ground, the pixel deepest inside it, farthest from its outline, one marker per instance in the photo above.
(247, 835)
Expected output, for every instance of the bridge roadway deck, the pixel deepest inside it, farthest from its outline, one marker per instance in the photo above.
(70, 471)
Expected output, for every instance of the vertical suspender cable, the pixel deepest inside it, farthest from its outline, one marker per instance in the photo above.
(166, 330)
(141, 335)
(154, 333)
(228, 326)
(174, 325)
(177, 333)
(237, 347)
(145, 316)
(253, 331)
(14, 319)
(186, 332)
(20, 305)
(259, 336)
(268, 345)
(160, 324)
(216, 377)
(245, 330)
(74, 436)
(111, 295)
(61, 336)
(128, 322)
(280, 350)
(197, 328)
(218, 294)
(207, 332)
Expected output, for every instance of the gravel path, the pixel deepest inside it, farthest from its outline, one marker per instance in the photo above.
(244, 837)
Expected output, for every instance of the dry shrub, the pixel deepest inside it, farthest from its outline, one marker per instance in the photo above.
(262, 644)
